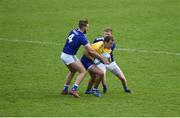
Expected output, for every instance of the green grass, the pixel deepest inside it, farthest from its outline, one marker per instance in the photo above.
(32, 75)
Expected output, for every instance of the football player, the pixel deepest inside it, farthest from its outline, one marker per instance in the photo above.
(75, 39)
(88, 61)
(113, 67)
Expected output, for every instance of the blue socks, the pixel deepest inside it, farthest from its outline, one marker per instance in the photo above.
(65, 87)
(74, 88)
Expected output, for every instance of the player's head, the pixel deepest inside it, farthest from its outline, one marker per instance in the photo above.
(108, 42)
(83, 25)
(108, 32)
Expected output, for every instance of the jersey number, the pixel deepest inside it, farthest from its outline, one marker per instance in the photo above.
(70, 38)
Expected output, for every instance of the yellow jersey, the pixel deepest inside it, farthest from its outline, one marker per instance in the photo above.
(99, 48)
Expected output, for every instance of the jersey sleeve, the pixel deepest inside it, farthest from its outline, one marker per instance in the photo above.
(97, 46)
(98, 39)
(83, 40)
(113, 46)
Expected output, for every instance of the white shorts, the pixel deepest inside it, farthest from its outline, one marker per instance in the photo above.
(68, 59)
(114, 68)
(102, 67)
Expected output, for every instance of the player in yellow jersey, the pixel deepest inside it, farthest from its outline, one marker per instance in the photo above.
(88, 61)
(112, 67)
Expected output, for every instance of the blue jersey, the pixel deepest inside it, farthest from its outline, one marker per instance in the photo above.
(74, 40)
(112, 48)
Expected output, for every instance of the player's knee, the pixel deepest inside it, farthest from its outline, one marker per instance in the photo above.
(100, 74)
(83, 72)
(122, 78)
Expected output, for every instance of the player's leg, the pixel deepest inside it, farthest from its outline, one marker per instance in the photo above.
(99, 76)
(118, 72)
(104, 85)
(92, 80)
(69, 78)
(121, 77)
(90, 83)
(82, 72)
(68, 60)
(115, 69)
(103, 68)
(74, 65)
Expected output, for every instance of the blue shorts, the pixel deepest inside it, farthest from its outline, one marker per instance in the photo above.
(86, 62)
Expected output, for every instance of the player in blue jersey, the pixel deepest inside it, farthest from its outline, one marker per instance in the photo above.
(113, 67)
(75, 39)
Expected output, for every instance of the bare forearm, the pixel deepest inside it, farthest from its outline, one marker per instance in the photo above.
(96, 55)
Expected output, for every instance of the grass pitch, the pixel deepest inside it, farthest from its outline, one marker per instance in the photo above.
(32, 34)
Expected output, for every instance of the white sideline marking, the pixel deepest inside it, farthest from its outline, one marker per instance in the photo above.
(26, 41)
(119, 49)
(148, 51)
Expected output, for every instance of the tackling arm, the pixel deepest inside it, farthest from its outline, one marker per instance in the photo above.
(91, 51)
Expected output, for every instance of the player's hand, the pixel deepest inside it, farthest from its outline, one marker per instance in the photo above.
(106, 61)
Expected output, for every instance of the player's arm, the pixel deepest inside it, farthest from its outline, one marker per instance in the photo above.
(88, 55)
(107, 53)
(94, 53)
(91, 51)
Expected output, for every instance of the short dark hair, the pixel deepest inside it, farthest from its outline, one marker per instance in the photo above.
(83, 23)
(108, 38)
(108, 29)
